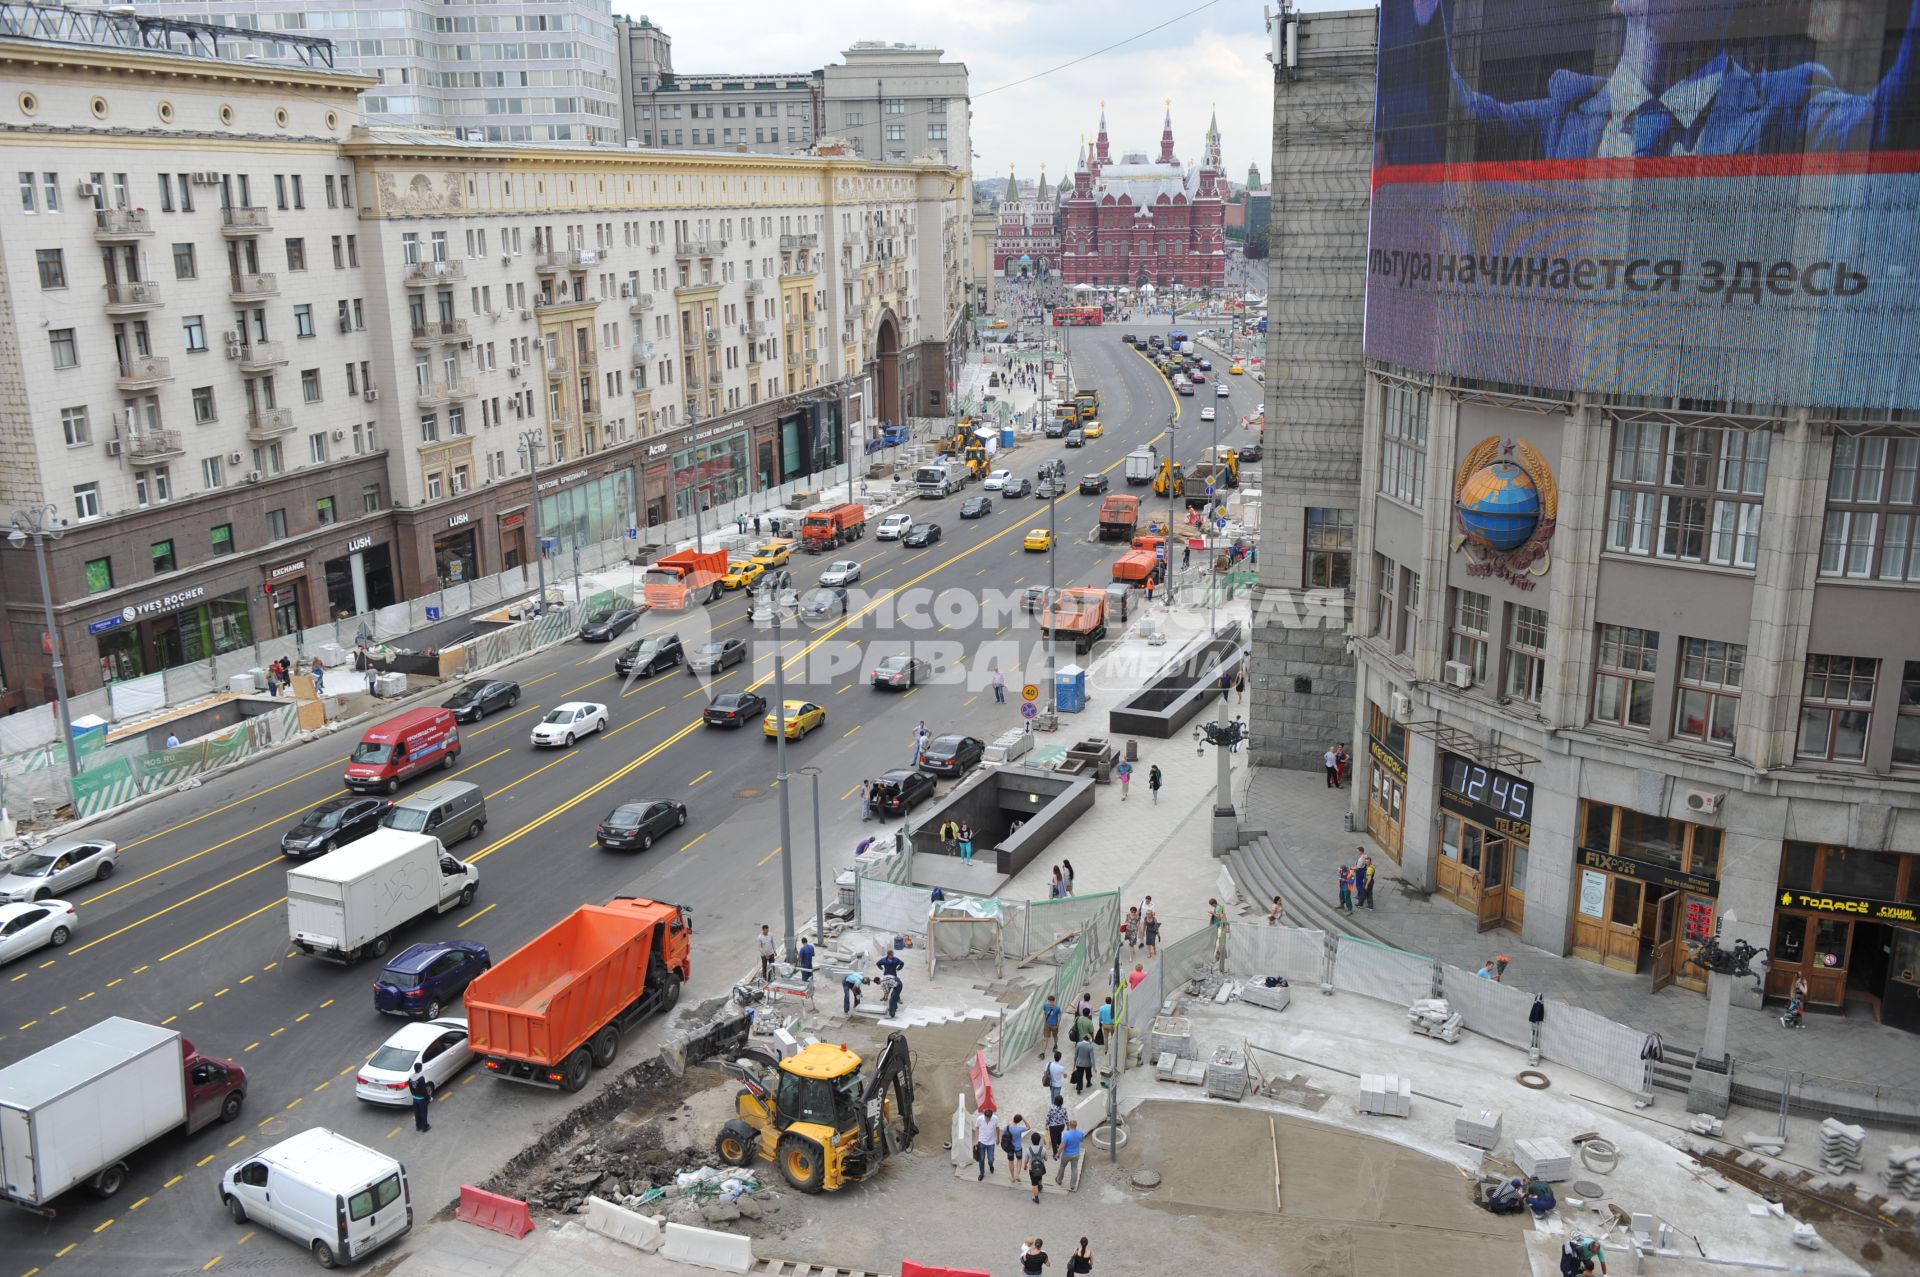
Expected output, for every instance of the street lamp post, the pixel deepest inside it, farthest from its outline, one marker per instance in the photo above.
(1175, 484)
(1051, 621)
(819, 890)
(531, 443)
(39, 524)
(771, 603)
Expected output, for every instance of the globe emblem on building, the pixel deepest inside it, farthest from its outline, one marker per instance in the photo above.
(1499, 506)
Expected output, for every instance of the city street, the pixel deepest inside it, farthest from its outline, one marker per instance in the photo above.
(191, 933)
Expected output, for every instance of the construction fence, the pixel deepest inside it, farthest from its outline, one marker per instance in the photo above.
(1086, 963)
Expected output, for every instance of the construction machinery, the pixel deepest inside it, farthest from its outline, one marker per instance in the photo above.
(832, 527)
(1088, 401)
(1170, 479)
(954, 443)
(1119, 514)
(977, 458)
(818, 1116)
(671, 583)
(1078, 614)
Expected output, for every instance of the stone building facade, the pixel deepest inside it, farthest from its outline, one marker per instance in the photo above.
(1142, 221)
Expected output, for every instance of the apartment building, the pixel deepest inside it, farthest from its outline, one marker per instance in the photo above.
(270, 369)
(899, 102)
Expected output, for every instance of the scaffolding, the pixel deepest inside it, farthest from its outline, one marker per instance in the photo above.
(125, 29)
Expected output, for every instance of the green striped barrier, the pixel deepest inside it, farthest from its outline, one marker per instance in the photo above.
(164, 768)
(104, 787)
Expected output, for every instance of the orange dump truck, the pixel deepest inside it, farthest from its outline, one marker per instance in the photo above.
(836, 526)
(551, 1012)
(1079, 614)
(1119, 514)
(1137, 567)
(672, 582)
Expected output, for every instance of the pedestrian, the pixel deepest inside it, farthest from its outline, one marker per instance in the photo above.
(773, 524)
(422, 1092)
(999, 686)
(1083, 1062)
(1049, 1026)
(920, 734)
(1083, 1024)
(1332, 761)
(1486, 970)
(1033, 1260)
(1577, 1257)
(1274, 914)
(1135, 976)
(756, 525)
(1081, 1261)
(986, 1138)
(765, 943)
(850, 988)
(1342, 761)
(1186, 556)
(890, 967)
(1054, 1074)
(1056, 1125)
(966, 843)
(1054, 888)
(740, 523)
(1364, 878)
(1153, 935)
(806, 961)
(949, 837)
(1066, 876)
(1239, 734)
(373, 678)
(1125, 772)
(1013, 1142)
(1036, 1168)
(1153, 783)
(1130, 928)
(173, 741)
(1106, 1023)
(1346, 890)
(1240, 683)
(866, 801)
(319, 678)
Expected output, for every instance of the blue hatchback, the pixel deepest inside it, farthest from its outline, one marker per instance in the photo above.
(422, 978)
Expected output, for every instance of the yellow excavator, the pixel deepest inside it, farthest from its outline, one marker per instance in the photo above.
(817, 1116)
(954, 444)
(1170, 478)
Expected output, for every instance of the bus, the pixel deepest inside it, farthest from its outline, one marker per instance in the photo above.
(1077, 315)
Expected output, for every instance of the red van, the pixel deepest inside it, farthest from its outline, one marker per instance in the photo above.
(403, 747)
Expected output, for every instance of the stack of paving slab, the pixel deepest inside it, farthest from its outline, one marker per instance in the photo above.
(1902, 1176)
(1436, 1019)
(1386, 1095)
(1479, 1129)
(1840, 1147)
(1274, 999)
(1171, 1033)
(1168, 1067)
(1227, 1074)
(1543, 1159)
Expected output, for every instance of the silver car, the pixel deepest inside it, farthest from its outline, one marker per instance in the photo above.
(50, 870)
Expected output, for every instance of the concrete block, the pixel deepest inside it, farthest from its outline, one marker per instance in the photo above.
(628, 1227)
(1543, 1158)
(1478, 1129)
(704, 1248)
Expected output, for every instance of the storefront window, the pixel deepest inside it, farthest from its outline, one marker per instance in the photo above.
(1830, 942)
(1790, 940)
(1626, 903)
(1597, 833)
(1861, 873)
(1450, 837)
(600, 510)
(455, 558)
(1517, 878)
(1705, 856)
(1796, 871)
(715, 473)
(1653, 839)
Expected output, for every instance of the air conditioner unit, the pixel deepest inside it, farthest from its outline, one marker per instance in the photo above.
(206, 178)
(506, 259)
(1458, 674)
(113, 447)
(1402, 707)
(526, 315)
(513, 370)
(253, 476)
(372, 394)
(89, 189)
(235, 458)
(338, 435)
(1703, 802)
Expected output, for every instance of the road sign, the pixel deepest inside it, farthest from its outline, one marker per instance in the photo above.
(1029, 710)
(633, 534)
(1030, 693)
(433, 613)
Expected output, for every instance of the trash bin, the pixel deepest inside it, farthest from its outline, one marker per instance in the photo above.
(1133, 750)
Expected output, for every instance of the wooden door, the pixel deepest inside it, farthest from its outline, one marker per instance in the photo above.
(1493, 883)
(1666, 913)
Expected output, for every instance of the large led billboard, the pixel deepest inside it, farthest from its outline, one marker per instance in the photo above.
(1706, 199)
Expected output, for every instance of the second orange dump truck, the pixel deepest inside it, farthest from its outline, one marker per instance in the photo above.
(1119, 514)
(832, 527)
(683, 577)
(554, 1010)
(1079, 614)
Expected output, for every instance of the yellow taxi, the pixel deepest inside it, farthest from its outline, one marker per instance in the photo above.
(742, 572)
(1038, 539)
(802, 717)
(1236, 369)
(998, 323)
(773, 554)
(1092, 430)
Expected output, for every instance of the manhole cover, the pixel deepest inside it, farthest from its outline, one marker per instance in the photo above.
(1586, 1188)
(1146, 1179)
(750, 792)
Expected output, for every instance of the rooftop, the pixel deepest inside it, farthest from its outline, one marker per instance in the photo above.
(122, 28)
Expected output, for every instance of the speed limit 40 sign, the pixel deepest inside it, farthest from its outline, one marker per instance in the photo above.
(1030, 693)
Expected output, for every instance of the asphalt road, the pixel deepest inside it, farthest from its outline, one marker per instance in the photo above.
(191, 932)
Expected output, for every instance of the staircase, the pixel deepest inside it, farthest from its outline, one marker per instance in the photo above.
(1262, 872)
(801, 1268)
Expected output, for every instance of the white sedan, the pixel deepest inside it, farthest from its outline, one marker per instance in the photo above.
(566, 723)
(996, 481)
(25, 928)
(1207, 413)
(841, 572)
(1221, 391)
(439, 1046)
(52, 868)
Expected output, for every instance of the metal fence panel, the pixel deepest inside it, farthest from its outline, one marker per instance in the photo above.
(1595, 1045)
(1297, 953)
(1393, 975)
(137, 696)
(1489, 1008)
(1184, 959)
(30, 727)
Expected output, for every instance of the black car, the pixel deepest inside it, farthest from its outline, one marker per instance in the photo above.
(1075, 439)
(634, 825)
(475, 701)
(334, 823)
(1056, 428)
(976, 507)
(1206, 365)
(1013, 488)
(952, 755)
(827, 600)
(773, 581)
(608, 624)
(650, 655)
(717, 655)
(899, 671)
(1092, 485)
(735, 709)
(897, 792)
(921, 534)
(1129, 339)
(1253, 452)
(1154, 342)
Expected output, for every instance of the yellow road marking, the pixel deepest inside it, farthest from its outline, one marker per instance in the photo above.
(175, 1180)
(696, 838)
(217, 810)
(482, 913)
(169, 1020)
(850, 731)
(64, 1250)
(250, 1046)
(115, 980)
(502, 722)
(223, 993)
(243, 1237)
(843, 687)
(848, 794)
(697, 779)
(304, 1015)
(970, 700)
(203, 1161)
(277, 1032)
(238, 1138)
(102, 1228)
(137, 1205)
(271, 904)
(769, 856)
(270, 966)
(326, 1004)
(210, 1263)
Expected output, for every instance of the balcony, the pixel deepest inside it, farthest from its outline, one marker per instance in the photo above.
(563, 259)
(759, 330)
(796, 271)
(793, 323)
(260, 356)
(694, 248)
(427, 274)
(590, 413)
(154, 445)
(440, 330)
(121, 225)
(236, 223)
(267, 424)
(558, 366)
(431, 394)
(255, 287)
(458, 388)
(564, 298)
(130, 299)
(695, 383)
(142, 371)
(755, 287)
(800, 241)
(587, 359)
(640, 305)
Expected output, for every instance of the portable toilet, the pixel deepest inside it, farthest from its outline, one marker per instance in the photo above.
(1070, 689)
(1006, 437)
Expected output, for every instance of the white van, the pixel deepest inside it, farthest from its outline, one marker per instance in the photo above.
(339, 1199)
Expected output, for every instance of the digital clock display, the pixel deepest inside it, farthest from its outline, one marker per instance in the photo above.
(1509, 795)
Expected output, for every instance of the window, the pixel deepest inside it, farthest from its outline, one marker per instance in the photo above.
(339, 253)
(323, 510)
(333, 198)
(162, 554)
(53, 267)
(303, 320)
(435, 485)
(1623, 679)
(203, 405)
(50, 192)
(296, 254)
(99, 576)
(194, 327)
(162, 477)
(29, 199)
(65, 353)
(1906, 728)
(1467, 643)
(935, 132)
(1836, 704)
(221, 539)
(856, 118)
(1690, 493)
(1526, 653)
(894, 106)
(86, 500)
(73, 426)
(279, 191)
(896, 132)
(1872, 530)
(1709, 697)
(370, 499)
(1329, 548)
(429, 427)
(212, 473)
(276, 524)
(310, 385)
(183, 263)
(936, 106)
(1403, 454)
(317, 446)
(1409, 610)
(1386, 575)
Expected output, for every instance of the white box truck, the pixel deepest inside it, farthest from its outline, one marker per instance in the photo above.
(350, 902)
(73, 1113)
(1142, 465)
(941, 479)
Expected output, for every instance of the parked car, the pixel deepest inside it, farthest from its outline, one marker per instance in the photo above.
(608, 624)
(474, 701)
(53, 867)
(650, 655)
(897, 792)
(899, 671)
(567, 722)
(996, 480)
(1207, 413)
(634, 825)
(1092, 485)
(1016, 488)
(741, 572)
(733, 709)
(334, 823)
(802, 717)
(421, 978)
(976, 507)
(841, 572)
(826, 600)
(438, 1046)
(32, 926)
(921, 534)
(893, 527)
(717, 655)
(1123, 600)
(952, 755)
(1076, 438)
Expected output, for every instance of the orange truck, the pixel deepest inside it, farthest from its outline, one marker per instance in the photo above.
(1079, 614)
(554, 1010)
(1137, 567)
(1119, 514)
(670, 583)
(836, 526)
